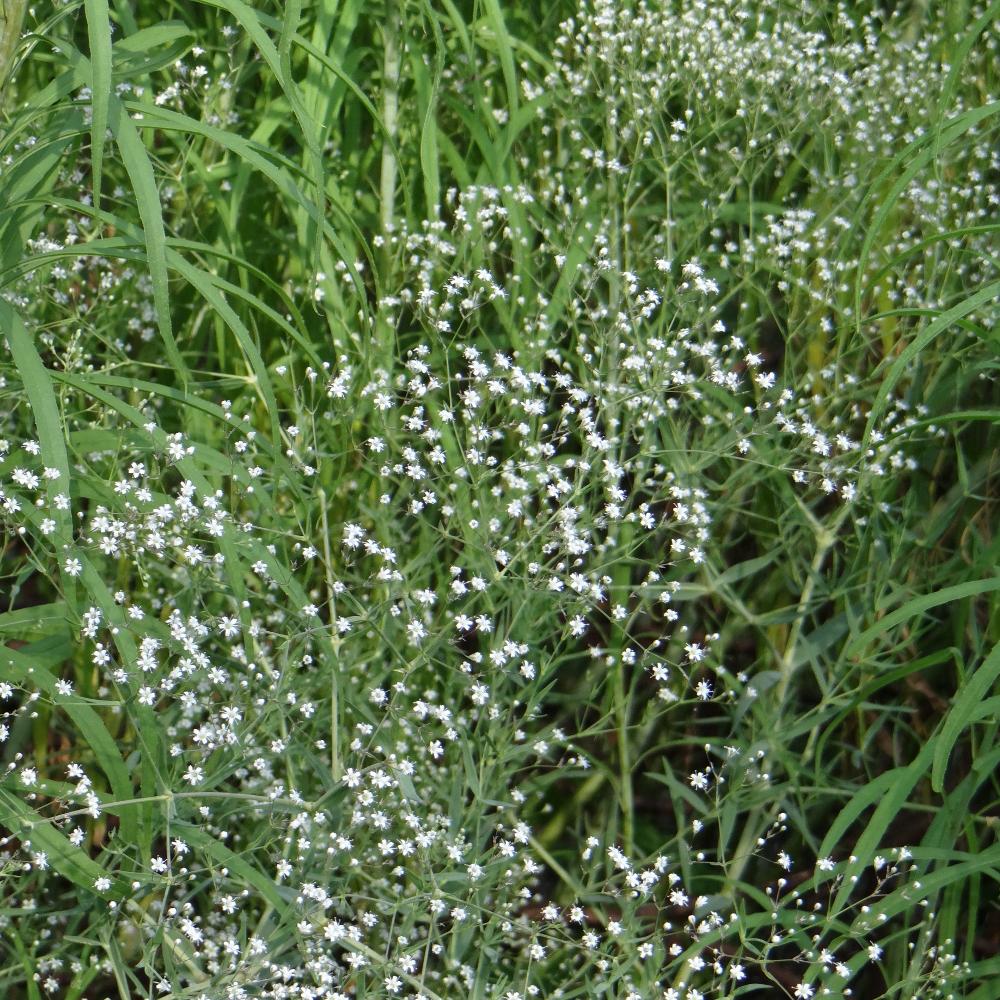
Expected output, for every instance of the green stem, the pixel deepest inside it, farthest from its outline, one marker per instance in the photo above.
(11, 24)
(825, 539)
(334, 676)
(619, 689)
(387, 183)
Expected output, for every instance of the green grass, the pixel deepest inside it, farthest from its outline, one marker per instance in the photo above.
(499, 500)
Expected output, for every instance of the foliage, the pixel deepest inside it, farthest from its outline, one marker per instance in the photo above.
(498, 500)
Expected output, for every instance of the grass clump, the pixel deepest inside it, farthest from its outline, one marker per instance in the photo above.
(498, 501)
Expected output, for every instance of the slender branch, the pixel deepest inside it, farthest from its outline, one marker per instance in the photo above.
(825, 540)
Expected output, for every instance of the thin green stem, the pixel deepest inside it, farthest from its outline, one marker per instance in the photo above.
(825, 540)
(11, 25)
(390, 168)
(335, 766)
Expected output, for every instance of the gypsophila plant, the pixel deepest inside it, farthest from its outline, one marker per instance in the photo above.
(497, 500)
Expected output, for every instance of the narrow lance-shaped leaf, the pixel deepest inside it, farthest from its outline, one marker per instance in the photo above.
(99, 35)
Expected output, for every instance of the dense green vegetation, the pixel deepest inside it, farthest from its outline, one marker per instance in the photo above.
(498, 500)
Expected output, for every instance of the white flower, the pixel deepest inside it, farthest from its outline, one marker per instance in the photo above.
(698, 780)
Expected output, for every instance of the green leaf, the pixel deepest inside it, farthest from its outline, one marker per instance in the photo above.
(21, 667)
(99, 35)
(236, 863)
(147, 198)
(962, 712)
(919, 343)
(917, 606)
(34, 619)
(71, 862)
(501, 39)
(888, 793)
(44, 409)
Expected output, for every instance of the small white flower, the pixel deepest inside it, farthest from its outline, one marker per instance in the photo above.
(194, 775)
